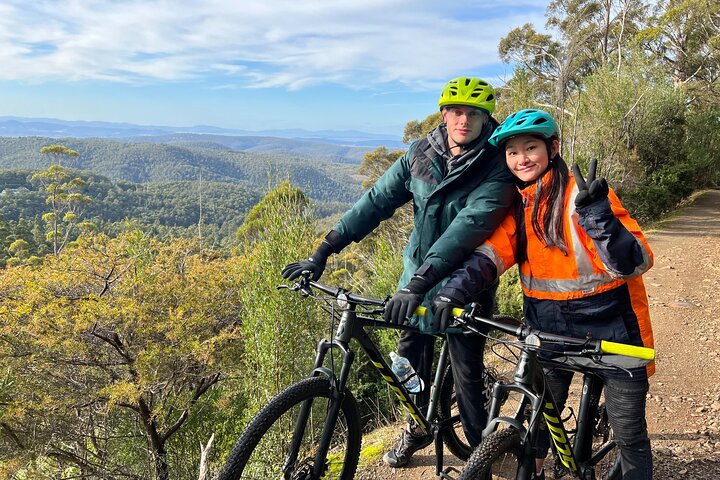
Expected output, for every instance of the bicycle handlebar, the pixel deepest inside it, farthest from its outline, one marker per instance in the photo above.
(468, 320)
(351, 297)
(587, 346)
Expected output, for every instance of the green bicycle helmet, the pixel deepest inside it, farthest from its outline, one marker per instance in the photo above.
(469, 91)
(528, 121)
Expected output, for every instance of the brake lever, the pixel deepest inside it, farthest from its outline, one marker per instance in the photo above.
(302, 285)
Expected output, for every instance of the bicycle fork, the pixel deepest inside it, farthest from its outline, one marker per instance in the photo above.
(337, 396)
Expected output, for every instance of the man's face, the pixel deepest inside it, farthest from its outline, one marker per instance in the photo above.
(464, 123)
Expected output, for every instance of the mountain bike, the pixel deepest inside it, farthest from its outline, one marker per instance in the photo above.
(588, 450)
(311, 430)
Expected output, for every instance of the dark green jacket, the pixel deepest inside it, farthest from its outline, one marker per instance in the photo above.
(453, 213)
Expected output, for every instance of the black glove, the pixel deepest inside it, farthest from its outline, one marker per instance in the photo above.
(315, 264)
(592, 190)
(443, 304)
(403, 304)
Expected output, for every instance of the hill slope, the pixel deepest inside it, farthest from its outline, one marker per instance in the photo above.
(142, 162)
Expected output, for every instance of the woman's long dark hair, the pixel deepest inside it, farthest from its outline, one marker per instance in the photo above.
(547, 223)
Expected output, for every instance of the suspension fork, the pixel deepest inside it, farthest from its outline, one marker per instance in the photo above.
(337, 395)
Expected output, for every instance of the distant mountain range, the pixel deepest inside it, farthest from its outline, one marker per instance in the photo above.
(48, 127)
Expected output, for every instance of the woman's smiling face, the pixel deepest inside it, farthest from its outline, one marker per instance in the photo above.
(527, 156)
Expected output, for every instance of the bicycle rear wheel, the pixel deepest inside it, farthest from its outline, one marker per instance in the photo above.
(497, 457)
(453, 437)
(495, 370)
(261, 450)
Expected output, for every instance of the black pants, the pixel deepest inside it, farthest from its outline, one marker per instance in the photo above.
(466, 357)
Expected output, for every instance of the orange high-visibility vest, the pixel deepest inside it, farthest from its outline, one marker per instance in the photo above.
(549, 274)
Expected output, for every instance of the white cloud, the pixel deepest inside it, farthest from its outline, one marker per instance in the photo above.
(284, 43)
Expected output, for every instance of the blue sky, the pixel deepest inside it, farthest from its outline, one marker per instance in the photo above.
(368, 65)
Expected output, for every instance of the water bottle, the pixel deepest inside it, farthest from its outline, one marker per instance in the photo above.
(406, 373)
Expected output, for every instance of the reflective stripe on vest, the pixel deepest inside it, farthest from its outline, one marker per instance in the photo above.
(490, 252)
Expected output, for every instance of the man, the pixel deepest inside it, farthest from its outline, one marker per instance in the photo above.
(461, 190)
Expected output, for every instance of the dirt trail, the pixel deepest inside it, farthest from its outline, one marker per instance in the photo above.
(684, 291)
(684, 401)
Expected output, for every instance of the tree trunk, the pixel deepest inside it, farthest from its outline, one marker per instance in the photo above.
(157, 444)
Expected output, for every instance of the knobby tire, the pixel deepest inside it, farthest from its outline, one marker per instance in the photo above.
(497, 457)
(261, 450)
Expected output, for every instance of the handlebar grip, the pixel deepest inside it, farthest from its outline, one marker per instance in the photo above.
(422, 311)
(627, 350)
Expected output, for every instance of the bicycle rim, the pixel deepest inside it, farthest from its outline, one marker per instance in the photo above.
(262, 450)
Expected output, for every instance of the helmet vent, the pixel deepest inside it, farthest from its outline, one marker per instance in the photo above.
(539, 121)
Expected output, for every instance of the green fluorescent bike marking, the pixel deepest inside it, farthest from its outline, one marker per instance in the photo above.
(559, 437)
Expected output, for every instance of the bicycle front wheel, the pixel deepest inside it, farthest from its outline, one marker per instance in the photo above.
(262, 449)
(497, 457)
(608, 467)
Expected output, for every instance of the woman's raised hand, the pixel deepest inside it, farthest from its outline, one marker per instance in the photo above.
(590, 190)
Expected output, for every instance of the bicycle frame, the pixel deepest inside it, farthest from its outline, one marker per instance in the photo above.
(351, 326)
(528, 380)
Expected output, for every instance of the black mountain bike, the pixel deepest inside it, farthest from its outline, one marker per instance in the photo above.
(588, 450)
(311, 430)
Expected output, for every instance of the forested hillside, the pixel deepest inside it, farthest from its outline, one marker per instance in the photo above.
(150, 162)
(164, 189)
(123, 350)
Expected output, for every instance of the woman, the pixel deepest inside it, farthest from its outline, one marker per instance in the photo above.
(580, 258)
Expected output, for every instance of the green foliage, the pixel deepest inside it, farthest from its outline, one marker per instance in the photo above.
(63, 195)
(517, 93)
(58, 152)
(415, 129)
(114, 343)
(509, 297)
(375, 163)
(278, 328)
(702, 145)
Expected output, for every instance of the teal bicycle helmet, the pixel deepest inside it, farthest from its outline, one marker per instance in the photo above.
(525, 122)
(473, 92)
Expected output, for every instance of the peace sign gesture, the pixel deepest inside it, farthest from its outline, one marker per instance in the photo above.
(593, 189)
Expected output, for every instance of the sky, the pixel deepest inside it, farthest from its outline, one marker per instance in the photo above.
(368, 65)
